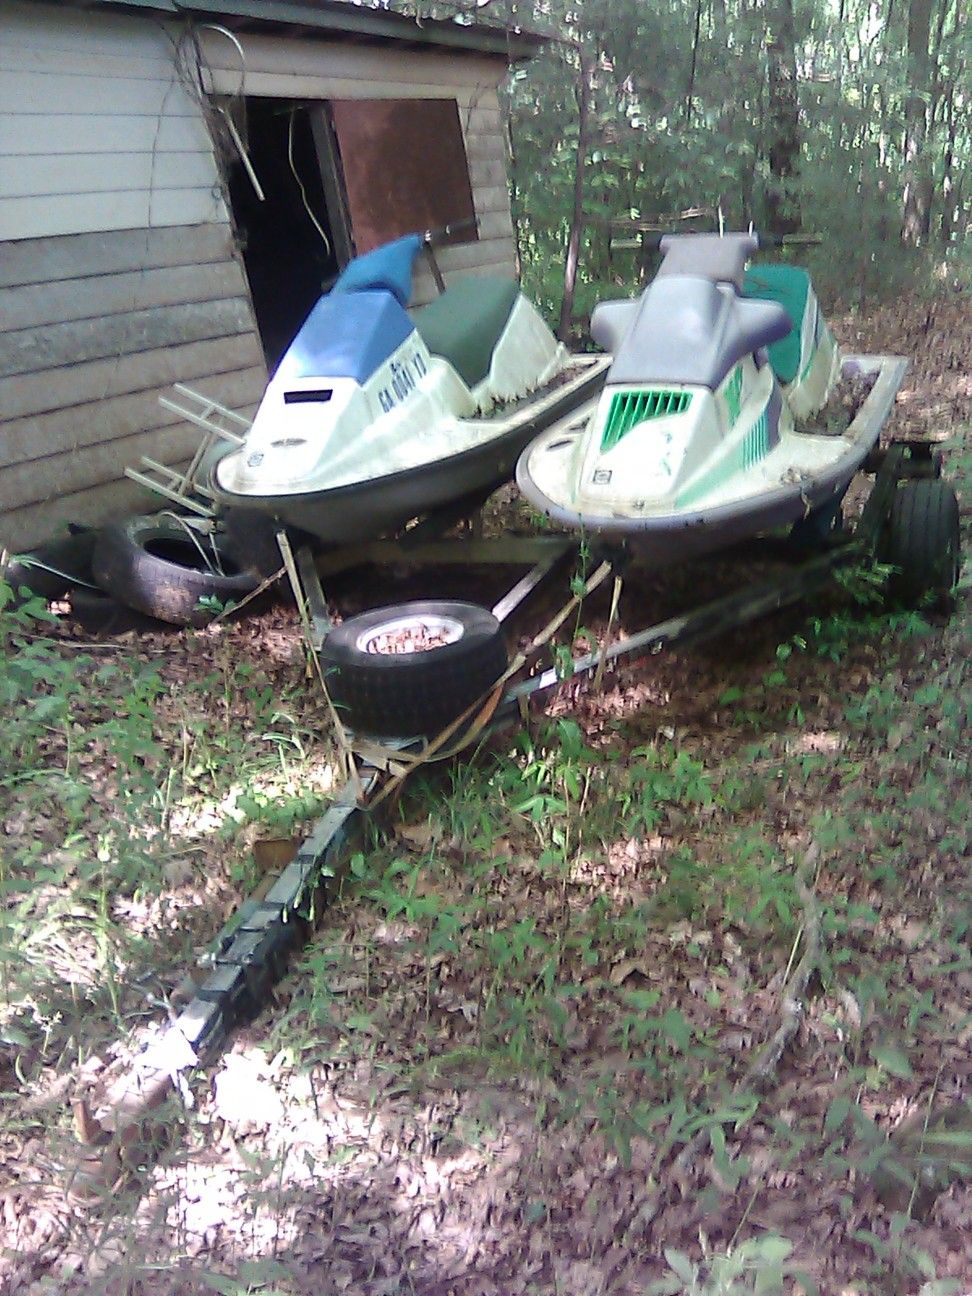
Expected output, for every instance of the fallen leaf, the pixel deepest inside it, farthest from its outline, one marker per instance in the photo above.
(627, 968)
(418, 837)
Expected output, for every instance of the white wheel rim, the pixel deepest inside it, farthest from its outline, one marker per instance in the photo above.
(405, 635)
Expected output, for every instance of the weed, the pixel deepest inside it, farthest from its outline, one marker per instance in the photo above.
(757, 1267)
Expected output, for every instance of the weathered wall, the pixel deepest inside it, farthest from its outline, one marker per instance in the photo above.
(93, 327)
(117, 271)
(97, 131)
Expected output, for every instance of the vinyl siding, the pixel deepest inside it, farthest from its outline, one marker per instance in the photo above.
(97, 130)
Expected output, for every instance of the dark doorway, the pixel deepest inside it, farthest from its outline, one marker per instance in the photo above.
(287, 239)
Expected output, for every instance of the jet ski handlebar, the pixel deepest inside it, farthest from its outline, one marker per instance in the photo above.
(721, 258)
(432, 236)
(652, 242)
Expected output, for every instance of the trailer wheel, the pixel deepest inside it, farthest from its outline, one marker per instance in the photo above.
(162, 567)
(411, 668)
(921, 540)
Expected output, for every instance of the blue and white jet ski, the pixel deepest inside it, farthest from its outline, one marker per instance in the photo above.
(375, 416)
(699, 437)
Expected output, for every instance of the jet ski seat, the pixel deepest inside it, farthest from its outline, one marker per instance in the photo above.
(684, 330)
(790, 286)
(464, 324)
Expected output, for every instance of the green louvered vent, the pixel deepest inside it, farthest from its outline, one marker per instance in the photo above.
(756, 444)
(628, 409)
(732, 393)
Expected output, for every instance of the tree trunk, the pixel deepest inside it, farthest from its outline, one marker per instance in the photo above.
(782, 206)
(577, 216)
(916, 213)
(948, 170)
(514, 191)
(946, 59)
(690, 92)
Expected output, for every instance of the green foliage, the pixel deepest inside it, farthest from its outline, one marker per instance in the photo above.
(694, 129)
(757, 1267)
(214, 605)
(101, 803)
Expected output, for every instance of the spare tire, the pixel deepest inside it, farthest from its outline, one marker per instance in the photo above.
(163, 566)
(412, 668)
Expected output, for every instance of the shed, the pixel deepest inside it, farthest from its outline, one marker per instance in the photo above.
(178, 185)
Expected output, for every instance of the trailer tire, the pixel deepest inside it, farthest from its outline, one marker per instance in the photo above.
(378, 690)
(153, 565)
(921, 541)
(97, 612)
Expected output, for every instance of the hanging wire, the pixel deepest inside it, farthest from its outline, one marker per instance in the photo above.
(213, 564)
(241, 149)
(36, 564)
(225, 31)
(300, 184)
(238, 96)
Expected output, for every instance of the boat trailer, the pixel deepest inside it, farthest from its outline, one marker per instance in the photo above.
(236, 976)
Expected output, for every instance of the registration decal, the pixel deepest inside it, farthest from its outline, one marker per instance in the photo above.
(405, 377)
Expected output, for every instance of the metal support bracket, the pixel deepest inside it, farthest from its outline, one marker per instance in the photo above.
(186, 488)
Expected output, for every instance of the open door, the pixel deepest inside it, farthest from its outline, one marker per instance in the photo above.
(290, 240)
(404, 167)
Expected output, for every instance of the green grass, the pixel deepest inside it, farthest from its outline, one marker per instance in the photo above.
(126, 791)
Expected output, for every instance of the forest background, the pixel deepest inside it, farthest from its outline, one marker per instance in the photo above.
(845, 119)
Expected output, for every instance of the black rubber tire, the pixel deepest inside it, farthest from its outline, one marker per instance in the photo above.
(69, 557)
(151, 564)
(97, 612)
(921, 541)
(417, 693)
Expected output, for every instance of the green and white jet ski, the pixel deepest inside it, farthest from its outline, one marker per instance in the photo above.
(695, 441)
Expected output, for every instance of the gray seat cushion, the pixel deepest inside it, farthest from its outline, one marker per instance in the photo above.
(610, 321)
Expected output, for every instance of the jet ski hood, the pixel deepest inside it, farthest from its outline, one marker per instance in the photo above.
(684, 330)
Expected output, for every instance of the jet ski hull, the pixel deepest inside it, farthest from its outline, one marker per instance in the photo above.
(680, 533)
(383, 504)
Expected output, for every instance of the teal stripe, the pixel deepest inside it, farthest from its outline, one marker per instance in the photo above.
(748, 452)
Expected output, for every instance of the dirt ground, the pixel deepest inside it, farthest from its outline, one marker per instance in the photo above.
(532, 1048)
